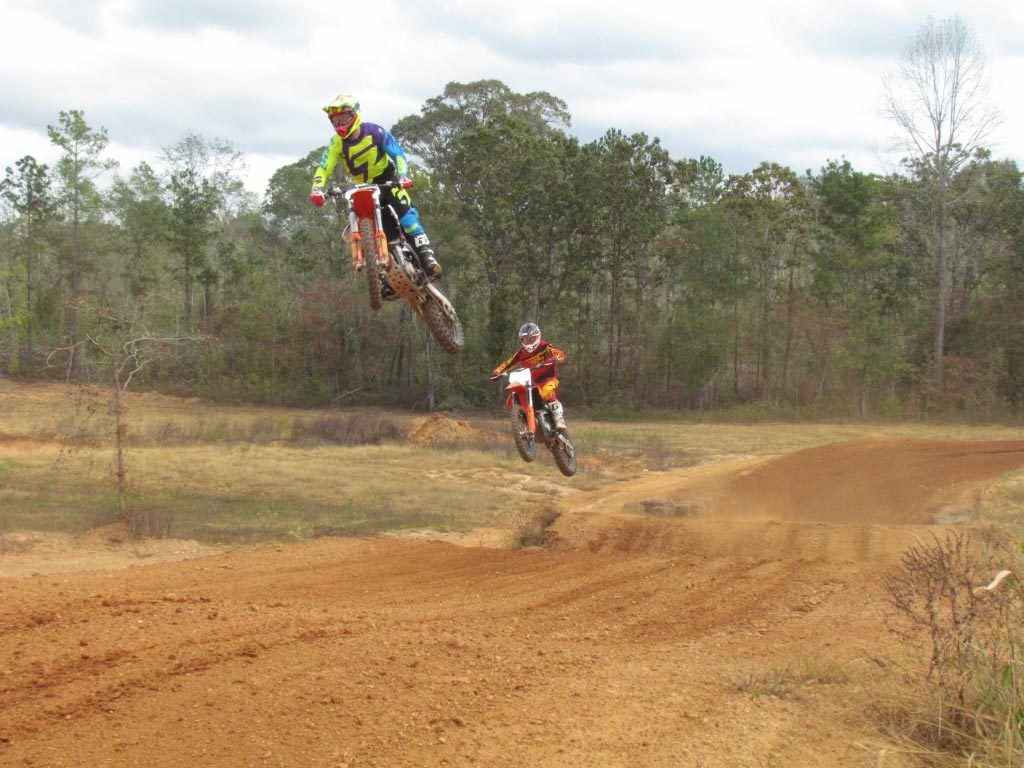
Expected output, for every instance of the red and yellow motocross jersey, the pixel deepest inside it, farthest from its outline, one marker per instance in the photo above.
(543, 361)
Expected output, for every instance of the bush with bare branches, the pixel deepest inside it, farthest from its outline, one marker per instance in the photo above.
(973, 626)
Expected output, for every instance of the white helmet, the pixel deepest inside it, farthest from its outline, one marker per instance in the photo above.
(529, 335)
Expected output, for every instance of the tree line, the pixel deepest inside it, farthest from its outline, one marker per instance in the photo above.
(670, 283)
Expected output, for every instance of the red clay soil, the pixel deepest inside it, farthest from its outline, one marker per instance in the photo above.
(667, 627)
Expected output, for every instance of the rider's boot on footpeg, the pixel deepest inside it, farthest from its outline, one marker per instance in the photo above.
(425, 251)
(558, 414)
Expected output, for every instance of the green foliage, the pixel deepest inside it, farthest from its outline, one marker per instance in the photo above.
(27, 192)
(144, 224)
(81, 161)
(436, 135)
(669, 284)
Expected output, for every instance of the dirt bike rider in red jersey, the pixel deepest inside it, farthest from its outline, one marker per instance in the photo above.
(370, 153)
(542, 359)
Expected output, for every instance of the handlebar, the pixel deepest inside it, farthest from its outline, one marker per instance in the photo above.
(504, 374)
(404, 183)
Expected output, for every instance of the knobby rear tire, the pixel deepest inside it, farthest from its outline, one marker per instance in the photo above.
(565, 455)
(443, 323)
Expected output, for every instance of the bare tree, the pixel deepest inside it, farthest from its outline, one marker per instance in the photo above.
(127, 345)
(939, 99)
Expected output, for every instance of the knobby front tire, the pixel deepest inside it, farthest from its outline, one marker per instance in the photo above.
(525, 442)
(370, 263)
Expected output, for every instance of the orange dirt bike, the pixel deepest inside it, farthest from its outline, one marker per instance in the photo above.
(531, 423)
(379, 249)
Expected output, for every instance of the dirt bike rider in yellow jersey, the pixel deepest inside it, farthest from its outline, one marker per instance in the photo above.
(370, 153)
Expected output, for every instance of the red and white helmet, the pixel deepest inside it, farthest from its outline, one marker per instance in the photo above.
(529, 335)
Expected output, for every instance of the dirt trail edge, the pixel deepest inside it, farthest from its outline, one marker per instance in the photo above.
(669, 627)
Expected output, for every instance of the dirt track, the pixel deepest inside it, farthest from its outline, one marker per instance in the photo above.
(639, 640)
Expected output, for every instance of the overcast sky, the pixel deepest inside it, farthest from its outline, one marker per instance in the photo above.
(796, 82)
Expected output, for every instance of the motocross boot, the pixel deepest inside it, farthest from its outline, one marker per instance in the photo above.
(425, 252)
(558, 414)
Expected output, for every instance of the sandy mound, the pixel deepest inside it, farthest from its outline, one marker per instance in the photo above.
(439, 430)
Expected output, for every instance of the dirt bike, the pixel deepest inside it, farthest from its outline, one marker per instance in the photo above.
(380, 249)
(532, 423)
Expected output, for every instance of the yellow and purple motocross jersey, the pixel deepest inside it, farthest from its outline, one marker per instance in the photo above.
(374, 155)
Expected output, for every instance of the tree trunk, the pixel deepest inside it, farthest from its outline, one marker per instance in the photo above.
(120, 430)
(942, 298)
(788, 350)
(73, 329)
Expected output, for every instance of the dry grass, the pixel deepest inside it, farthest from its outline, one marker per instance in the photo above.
(1000, 503)
(788, 682)
(692, 443)
(243, 492)
(242, 473)
(533, 530)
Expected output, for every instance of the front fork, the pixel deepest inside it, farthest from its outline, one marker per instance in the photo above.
(524, 402)
(358, 258)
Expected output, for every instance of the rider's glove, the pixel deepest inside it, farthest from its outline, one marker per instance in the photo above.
(405, 182)
(317, 196)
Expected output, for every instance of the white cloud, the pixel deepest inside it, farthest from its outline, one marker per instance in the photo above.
(797, 82)
(18, 142)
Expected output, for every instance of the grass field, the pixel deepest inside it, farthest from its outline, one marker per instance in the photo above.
(219, 473)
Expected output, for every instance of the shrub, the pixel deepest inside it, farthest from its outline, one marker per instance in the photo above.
(363, 428)
(533, 532)
(975, 637)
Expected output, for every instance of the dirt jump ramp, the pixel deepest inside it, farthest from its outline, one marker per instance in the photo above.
(861, 500)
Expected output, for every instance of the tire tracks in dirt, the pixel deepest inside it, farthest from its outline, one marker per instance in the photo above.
(641, 640)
